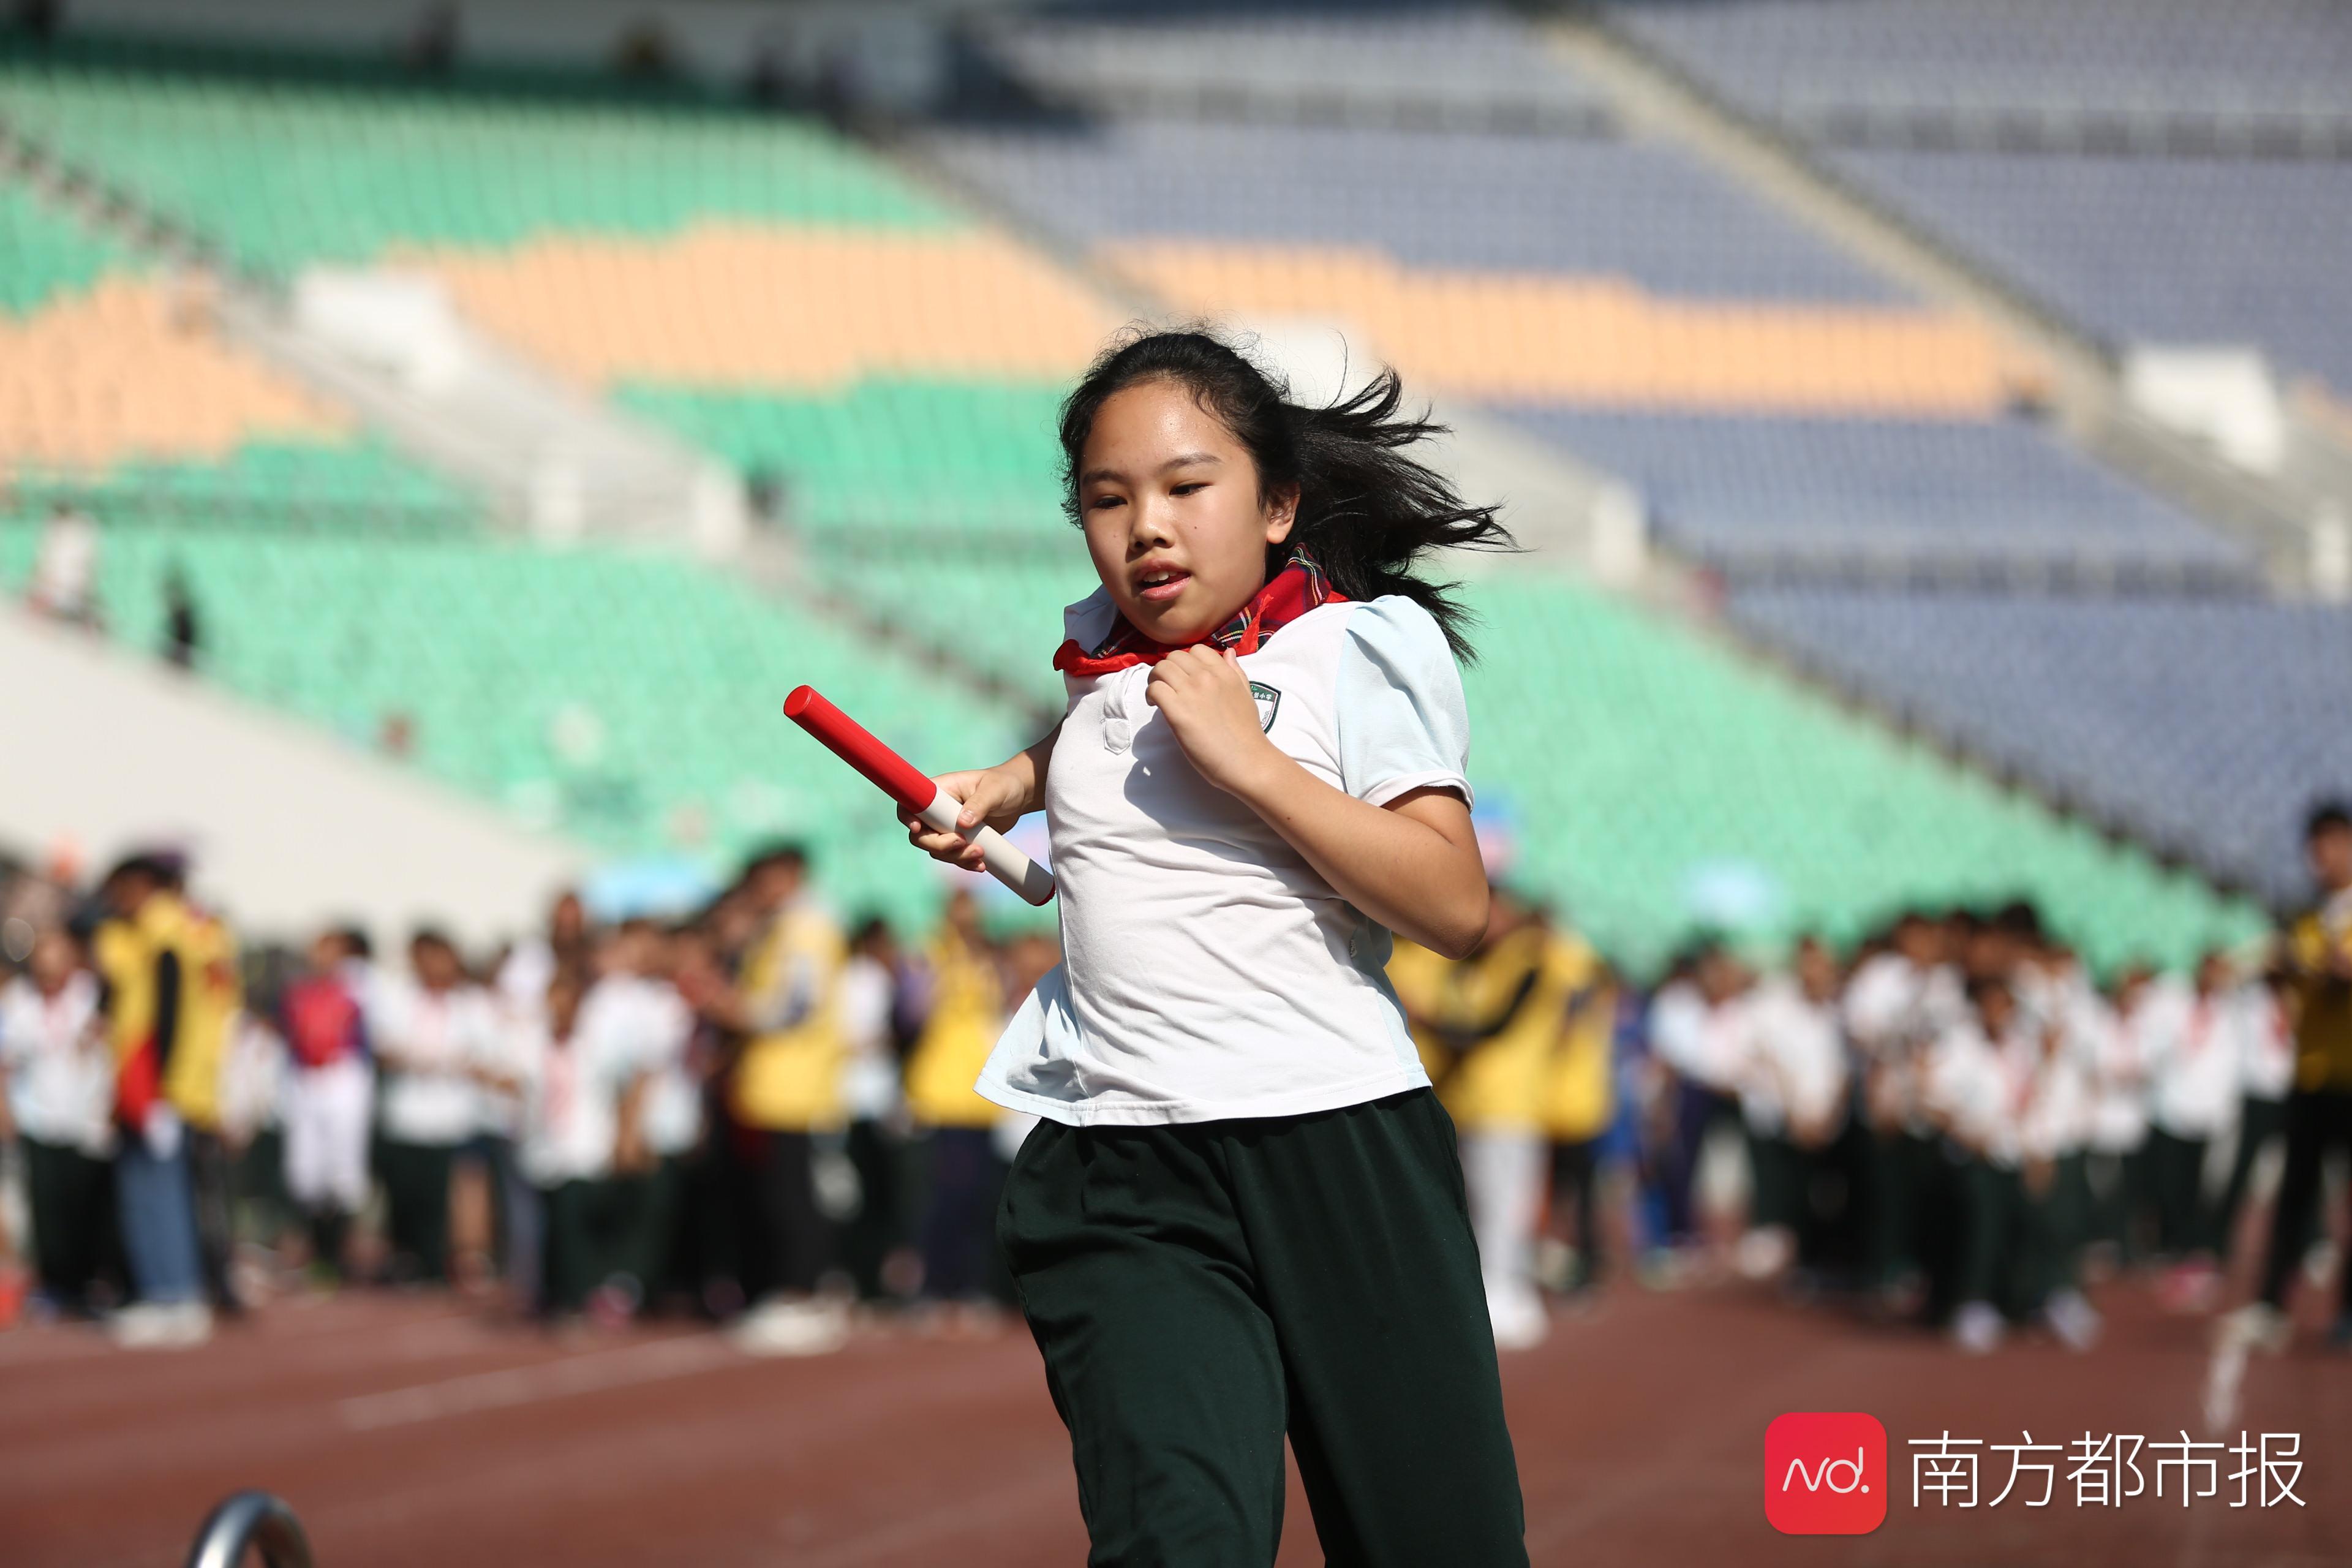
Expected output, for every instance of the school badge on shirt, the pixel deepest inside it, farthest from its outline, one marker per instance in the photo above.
(1268, 700)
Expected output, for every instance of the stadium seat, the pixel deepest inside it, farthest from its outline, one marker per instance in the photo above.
(1737, 800)
(628, 699)
(2157, 170)
(2206, 726)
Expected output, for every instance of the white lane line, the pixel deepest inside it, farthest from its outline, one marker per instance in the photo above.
(587, 1373)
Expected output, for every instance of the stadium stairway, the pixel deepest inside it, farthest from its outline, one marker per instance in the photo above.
(2293, 518)
(270, 804)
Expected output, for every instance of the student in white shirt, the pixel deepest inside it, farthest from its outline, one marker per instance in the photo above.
(1792, 1097)
(1698, 1032)
(2084, 1028)
(518, 990)
(2013, 1103)
(2115, 1141)
(581, 1077)
(1898, 1002)
(866, 1003)
(635, 1001)
(2188, 1036)
(435, 1035)
(59, 1076)
(1261, 772)
(2059, 1120)
(2265, 1074)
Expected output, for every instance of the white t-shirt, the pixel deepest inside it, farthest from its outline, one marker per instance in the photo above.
(1891, 1001)
(429, 1043)
(1705, 1042)
(1894, 1009)
(1795, 1071)
(253, 1078)
(2008, 1100)
(869, 1079)
(523, 977)
(2267, 1069)
(2190, 1046)
(572, 1094)
(1208, 970)
(1963, 1085)
(653, 1023)
(60, 1071)
(2055, 1118)
(2118, 1084)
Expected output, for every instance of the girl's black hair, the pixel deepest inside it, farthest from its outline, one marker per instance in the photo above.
(1366, 513)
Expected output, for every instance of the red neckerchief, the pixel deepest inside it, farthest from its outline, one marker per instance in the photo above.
(1298, 587)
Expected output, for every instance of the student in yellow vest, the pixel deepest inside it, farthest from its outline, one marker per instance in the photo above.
(786, 1090)
(2317, 964)
(966, 1015)
(1512, 997)
(1579, 1102)
(172, 996)
(1425, 985)
(212, 1005)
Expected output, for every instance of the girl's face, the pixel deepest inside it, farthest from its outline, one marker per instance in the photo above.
(1172, 514)
(53, 961)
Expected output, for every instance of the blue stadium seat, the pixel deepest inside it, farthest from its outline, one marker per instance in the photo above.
(2204, 726)
(1776, 497)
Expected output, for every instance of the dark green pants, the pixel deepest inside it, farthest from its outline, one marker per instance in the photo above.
(72, 1200)
(889, 1172)
(1199, 1290)
(2070, 1223)
(588, 1241)
(416, 1200)
(1784, 1183)
(1991, 1203)
(651, 1203)
(2017, 1246)
(1902, 1166)
(2119, 1200)
(2177, 1173)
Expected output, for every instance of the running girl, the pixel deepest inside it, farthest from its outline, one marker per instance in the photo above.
(1242, 1213)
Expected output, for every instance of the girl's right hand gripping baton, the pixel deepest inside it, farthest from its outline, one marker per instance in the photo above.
(848, 740)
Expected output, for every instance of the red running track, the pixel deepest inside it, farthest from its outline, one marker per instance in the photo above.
(410, 1434)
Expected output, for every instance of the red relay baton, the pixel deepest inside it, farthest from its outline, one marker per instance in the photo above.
(847, 738)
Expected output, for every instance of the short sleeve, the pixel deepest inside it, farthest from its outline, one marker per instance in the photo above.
(1402, 719)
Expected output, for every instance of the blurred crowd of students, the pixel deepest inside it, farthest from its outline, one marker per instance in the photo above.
(759, 1117)
(750, 1114)
(1951, 1125)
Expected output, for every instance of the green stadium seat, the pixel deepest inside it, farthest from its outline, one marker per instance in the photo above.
(482, 645)
(43, 256)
